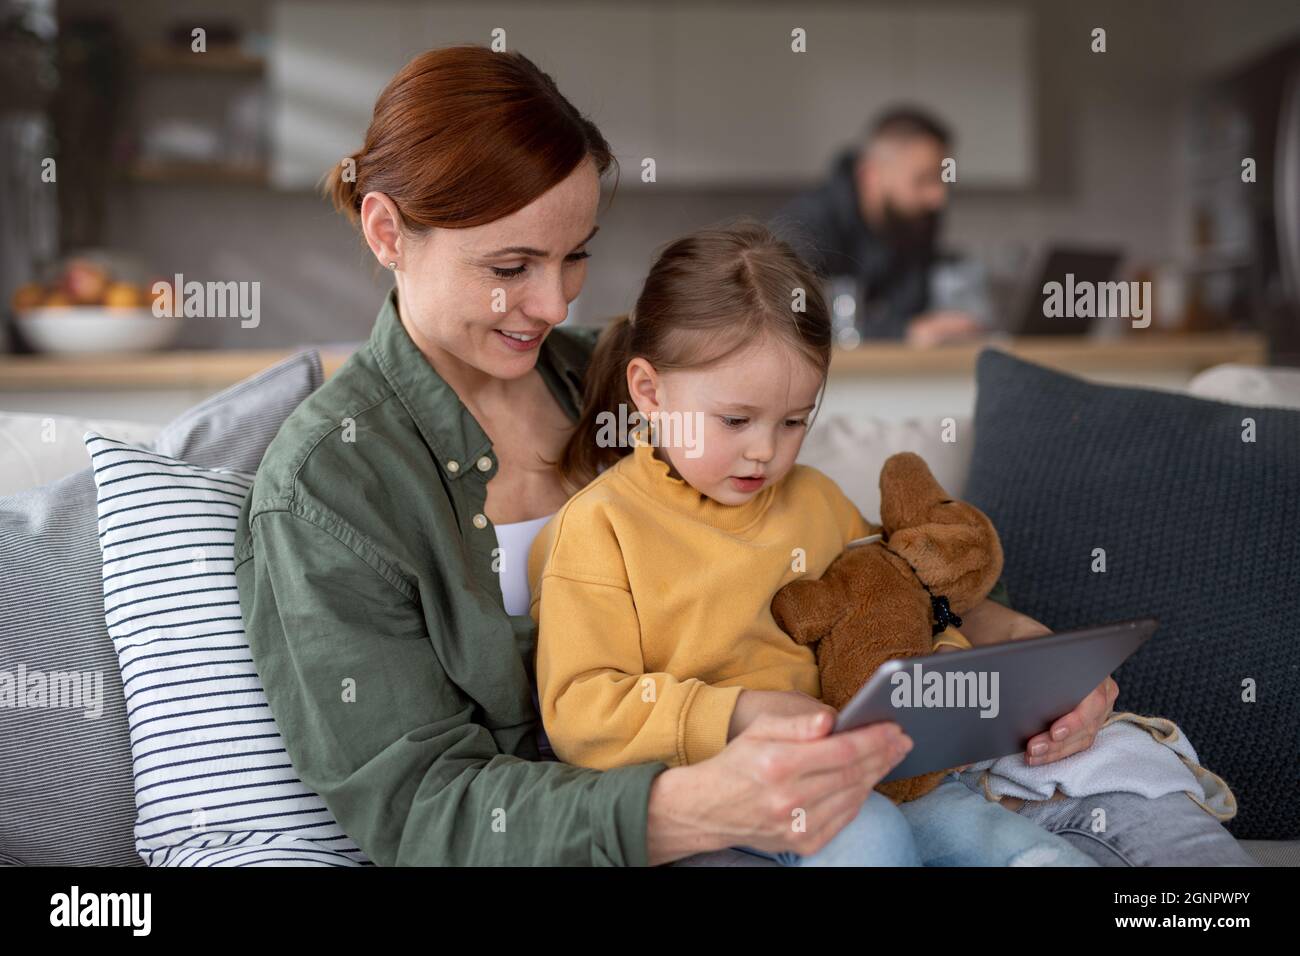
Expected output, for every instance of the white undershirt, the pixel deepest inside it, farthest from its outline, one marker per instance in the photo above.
(515, 540)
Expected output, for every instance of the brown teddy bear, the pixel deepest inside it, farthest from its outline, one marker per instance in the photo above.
(896, 597)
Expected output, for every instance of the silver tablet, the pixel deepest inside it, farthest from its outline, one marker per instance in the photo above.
(964, 706)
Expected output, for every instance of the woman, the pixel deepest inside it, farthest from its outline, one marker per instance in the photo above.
(392, 639)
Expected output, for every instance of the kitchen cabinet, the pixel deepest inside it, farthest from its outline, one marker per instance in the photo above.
(711, 91)
(745, 109)
(329, 60)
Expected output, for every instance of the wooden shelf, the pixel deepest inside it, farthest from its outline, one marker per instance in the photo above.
(163, 59)
(215, 369)
(189, 172)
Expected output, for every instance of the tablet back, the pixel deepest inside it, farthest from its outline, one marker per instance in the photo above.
(986, 702)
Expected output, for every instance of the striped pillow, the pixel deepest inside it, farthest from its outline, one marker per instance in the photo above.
(213, 783)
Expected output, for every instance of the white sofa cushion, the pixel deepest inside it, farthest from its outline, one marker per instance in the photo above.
(36, 449)
(1248, 385)
(852, 451)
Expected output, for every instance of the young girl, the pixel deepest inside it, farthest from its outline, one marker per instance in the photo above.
(652, 585)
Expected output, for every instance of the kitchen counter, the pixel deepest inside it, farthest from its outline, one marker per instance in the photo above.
(1075, 354)
(888, 378)
(218, 369)
(148, 370)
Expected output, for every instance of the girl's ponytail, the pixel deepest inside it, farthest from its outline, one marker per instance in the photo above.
(604, 390)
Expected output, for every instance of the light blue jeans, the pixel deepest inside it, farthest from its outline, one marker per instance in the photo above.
(952, 825)
(1126, 829)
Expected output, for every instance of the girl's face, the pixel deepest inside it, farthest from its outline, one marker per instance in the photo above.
(737, 424)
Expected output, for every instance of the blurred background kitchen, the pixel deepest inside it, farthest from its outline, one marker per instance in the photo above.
(1125, 164)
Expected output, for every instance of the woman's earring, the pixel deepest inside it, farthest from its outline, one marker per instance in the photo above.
(393, 266)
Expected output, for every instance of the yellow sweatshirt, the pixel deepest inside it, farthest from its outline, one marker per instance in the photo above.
(653, 604)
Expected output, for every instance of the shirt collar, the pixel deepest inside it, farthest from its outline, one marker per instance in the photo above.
(451, 432)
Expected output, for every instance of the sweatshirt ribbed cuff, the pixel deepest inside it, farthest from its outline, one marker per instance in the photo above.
(705, 721)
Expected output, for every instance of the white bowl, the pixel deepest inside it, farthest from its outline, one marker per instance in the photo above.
(95, 330)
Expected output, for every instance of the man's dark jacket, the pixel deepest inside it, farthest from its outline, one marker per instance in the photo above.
(826, 227)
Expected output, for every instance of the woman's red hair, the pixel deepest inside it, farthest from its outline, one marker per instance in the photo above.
(463, 136)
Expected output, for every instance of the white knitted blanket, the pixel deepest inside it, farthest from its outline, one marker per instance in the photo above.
(1131, 754)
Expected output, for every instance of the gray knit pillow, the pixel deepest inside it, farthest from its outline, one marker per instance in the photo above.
(1199, 529)
(66, 794)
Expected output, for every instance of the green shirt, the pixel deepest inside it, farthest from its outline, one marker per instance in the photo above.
(400, 685)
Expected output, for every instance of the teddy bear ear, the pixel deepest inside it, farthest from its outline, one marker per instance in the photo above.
(807, 610)
(908, 490)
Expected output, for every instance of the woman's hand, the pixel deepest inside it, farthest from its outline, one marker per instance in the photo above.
(1076, 730)
(785, 783)
(991, 623)
(779, 703)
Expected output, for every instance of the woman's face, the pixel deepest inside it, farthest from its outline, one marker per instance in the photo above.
(485, 297)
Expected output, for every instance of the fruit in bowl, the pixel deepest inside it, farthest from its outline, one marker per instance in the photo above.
(87, 310)
(28, 296)
(127, 295)
(85, 281)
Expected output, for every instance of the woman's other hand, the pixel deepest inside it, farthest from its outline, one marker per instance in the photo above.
(785, 783)
(1075, 731)
(991, 623)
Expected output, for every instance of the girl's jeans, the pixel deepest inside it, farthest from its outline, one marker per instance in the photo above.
(951, 825)
(1127, 829)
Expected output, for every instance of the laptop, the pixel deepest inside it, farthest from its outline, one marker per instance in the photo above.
(1095, 265)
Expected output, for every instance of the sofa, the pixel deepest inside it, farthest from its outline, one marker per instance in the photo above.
(78, 812)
